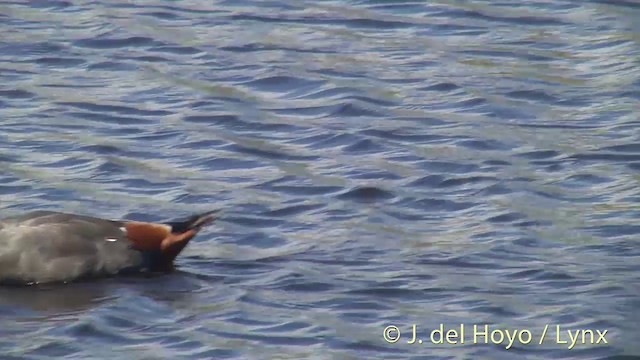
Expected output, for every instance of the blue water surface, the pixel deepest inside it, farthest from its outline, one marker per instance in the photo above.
(379, 163)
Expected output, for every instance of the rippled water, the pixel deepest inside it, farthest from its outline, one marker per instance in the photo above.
(379, 162)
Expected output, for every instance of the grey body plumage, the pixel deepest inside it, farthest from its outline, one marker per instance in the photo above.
(46, 246)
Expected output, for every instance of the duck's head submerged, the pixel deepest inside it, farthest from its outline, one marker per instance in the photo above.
(163, 242)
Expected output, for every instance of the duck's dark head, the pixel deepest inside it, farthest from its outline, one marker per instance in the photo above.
(193, 223)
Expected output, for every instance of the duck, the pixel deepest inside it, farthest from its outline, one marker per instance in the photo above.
(41, 247)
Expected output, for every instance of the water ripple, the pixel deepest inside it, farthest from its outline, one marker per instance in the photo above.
(378, 162)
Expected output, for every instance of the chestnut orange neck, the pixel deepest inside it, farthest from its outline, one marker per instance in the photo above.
(164, 242)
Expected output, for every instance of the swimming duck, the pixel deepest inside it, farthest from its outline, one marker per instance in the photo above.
(47, 246)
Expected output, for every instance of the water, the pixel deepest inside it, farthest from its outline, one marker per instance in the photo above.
(379, 162)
